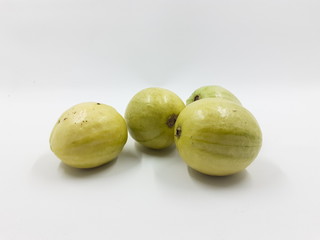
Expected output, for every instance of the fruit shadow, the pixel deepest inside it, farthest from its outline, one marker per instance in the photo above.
(262, 174)
(161, 153)
(267, 174)
(127, 159)
(85, 172)
(239, 178)
(48, 167)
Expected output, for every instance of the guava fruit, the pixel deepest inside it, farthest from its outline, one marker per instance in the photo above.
(151, 115)
(88, 135)
(217, 137)
(212, 92)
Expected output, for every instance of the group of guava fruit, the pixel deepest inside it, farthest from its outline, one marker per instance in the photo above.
(213, 133)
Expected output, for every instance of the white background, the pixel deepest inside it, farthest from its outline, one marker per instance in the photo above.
(57, 53)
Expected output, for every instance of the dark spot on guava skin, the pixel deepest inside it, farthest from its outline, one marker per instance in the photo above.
(65, 119)
(178, 132)
(98, 103)
(172, 120)
(196, 98)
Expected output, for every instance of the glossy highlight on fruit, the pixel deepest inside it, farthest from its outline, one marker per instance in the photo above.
(88, 135)
(212, 92)
(151, 115)
(217, 137)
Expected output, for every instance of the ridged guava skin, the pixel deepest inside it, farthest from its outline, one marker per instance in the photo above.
(212, 92)
(217, 137)
(151, 115)
(88, 135)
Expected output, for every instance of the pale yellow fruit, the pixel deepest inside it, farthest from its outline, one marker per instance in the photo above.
(217, 137)
(88, 135)
(151, 115)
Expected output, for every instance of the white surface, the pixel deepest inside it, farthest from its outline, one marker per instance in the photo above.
(54, 54)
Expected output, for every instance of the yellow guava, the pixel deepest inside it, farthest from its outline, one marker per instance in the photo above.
(212, 92)
(217, 137)
(151, 115)
(88, 135)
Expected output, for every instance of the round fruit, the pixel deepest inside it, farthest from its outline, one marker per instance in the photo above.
(88, 135)
(217, 137)
(151, 115)
(212, 92)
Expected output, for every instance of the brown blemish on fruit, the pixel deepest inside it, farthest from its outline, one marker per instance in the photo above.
(65, 119)
(172, 120)
(98, 103)
(197, 97)
(178, 132)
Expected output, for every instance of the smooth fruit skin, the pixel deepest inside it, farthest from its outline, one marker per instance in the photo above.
(151, 115)
(88, 135)
(217, 137)
(212, 92)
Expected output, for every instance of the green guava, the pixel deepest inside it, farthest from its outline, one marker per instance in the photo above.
(88, 135)
(151, 115)
(212, 92)
(217, 137)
